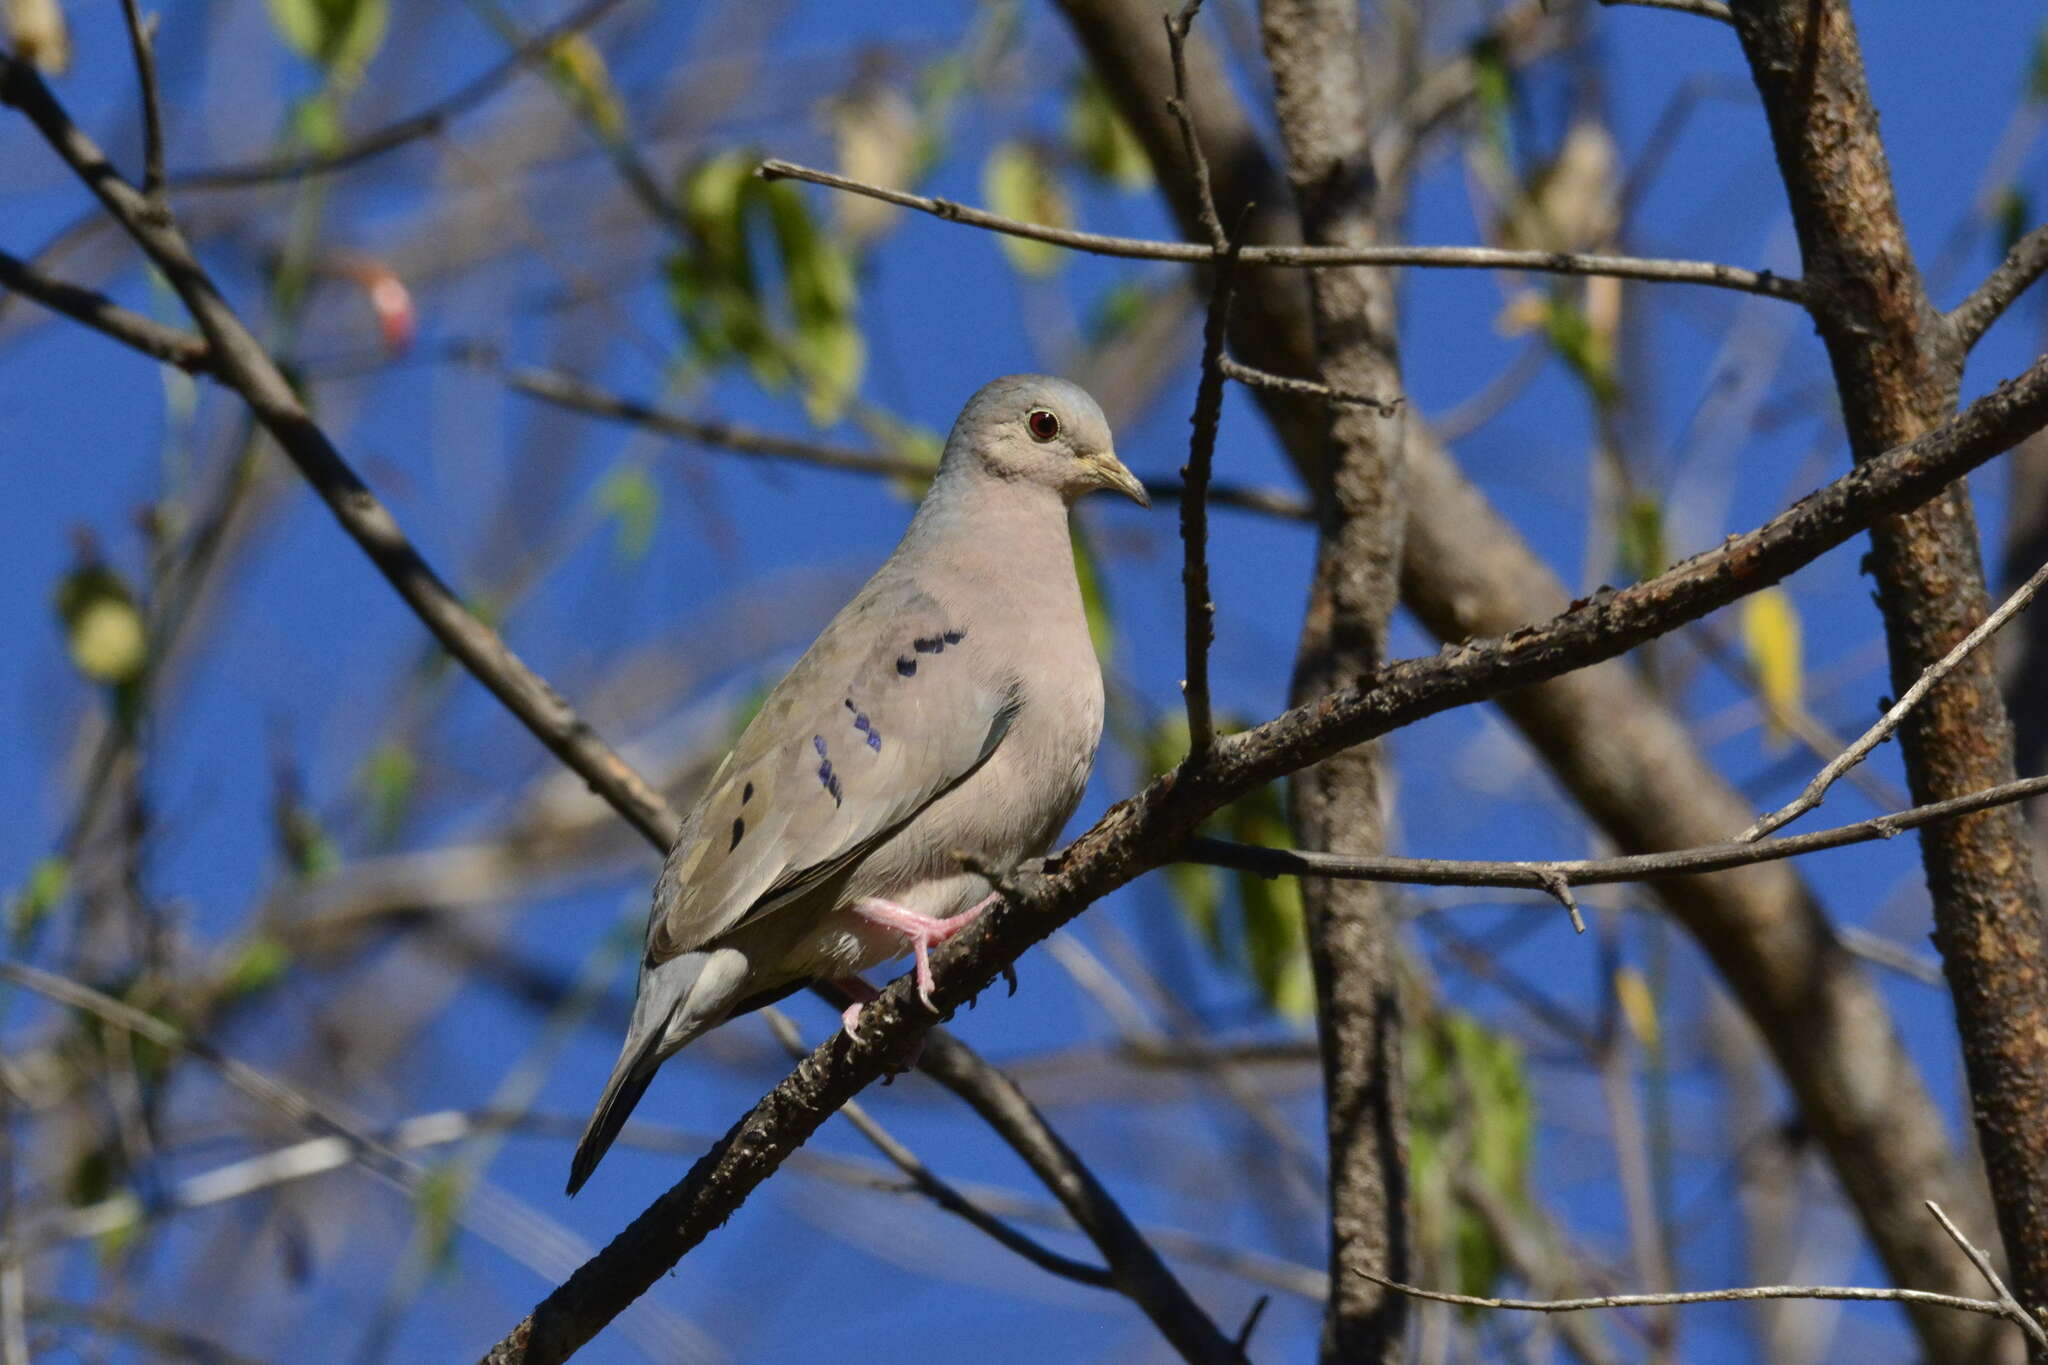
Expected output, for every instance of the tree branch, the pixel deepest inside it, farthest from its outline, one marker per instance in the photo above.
(142, 42)
(1547, 876)
(171, 345)
(1817, 789)
(426, 122)
(1969, 320)
(1445, 257)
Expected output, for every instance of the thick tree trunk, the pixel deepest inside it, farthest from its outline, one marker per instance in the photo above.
(1314, 50)
(1897, 369)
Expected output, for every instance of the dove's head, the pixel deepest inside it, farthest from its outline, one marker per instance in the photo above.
(1035, 429)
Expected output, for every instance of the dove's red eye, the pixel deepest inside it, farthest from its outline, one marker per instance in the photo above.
(1044, 425)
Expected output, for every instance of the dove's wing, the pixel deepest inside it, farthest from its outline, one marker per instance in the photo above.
(880, 717)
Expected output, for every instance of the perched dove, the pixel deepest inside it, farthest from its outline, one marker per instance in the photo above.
(953, 706)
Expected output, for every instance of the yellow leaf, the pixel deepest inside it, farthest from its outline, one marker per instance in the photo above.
(1019, 184)
(1638, 1006)
(579, 68)
(1770, 634)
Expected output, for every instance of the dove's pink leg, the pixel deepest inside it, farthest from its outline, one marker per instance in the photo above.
(924, 932)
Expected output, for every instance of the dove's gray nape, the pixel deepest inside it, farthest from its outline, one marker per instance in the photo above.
(952, 708)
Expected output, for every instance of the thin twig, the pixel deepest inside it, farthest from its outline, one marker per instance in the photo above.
(2008, 1305)
(1855, 1293)
(567, 391)
(142, 41)
(1252, 377)
(1448, 257)
(1200, 607)
(425, 123)
(1548, 877)
(1817, 789)
(288, 1101)
(1972, 318)
(172, 345)
(935, 1188)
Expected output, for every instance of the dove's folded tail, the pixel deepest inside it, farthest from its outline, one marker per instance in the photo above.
(637, 1065)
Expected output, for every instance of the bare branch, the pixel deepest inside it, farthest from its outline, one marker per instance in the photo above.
(1446, 257)
(1705, 9)
(293, 1104)
(935, 1187)
(1200, 609)
(1555, 877)
(142, 42)
(2008, 1305)
(1304, 388)
(427, 122)
(1762, 1291)
(1972, 318)
(1877, 734)
(171, 345)
(567, 391)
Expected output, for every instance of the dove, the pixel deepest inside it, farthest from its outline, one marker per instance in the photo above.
(946, 719)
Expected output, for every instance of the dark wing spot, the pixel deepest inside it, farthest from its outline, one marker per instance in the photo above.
(829, 780)
(875, 740)
(739, 832)
(929, 644)
(818, 743)
(747, 795)
(906, 665)
(954, 637)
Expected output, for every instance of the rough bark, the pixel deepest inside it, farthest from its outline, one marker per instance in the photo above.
(1620, 751)
(1897, 369)
(1315, 53)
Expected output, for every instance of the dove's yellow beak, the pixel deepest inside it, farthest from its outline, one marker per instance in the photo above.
(1110, 473)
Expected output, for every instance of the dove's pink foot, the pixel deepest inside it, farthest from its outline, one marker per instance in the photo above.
(923, 932)
(863, 994)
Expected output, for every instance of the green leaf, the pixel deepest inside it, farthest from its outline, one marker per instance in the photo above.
(340, 35)
(437, 1199)
(579, 71)
(102, 625)
(2037, 71)
(257, 966)
(1469, 1101)
(1019, 183)
(388, 778)
(2012, 214)
(631, 498)
(1268, 940)
(1589, 354)
(716, 287)
(1101, 141)
(40, 894)
(1117, 311)
(1639, 539)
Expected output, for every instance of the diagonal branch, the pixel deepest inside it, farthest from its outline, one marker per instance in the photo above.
(1444, 257)
(427, 122)
(1969, 320)
(172, 345)
(1817, 789)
